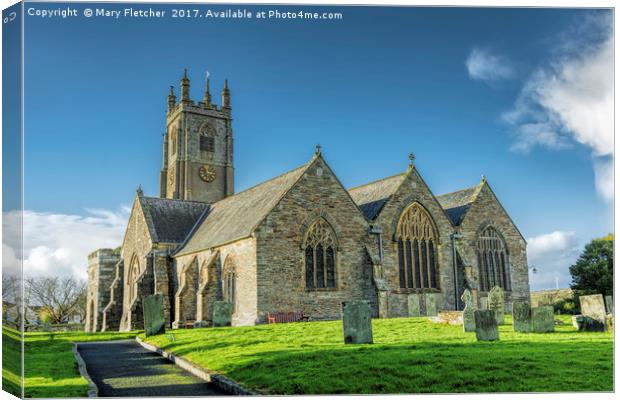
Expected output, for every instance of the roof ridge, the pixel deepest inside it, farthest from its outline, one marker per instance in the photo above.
(377, 181)
(178, 200)
(459, 190)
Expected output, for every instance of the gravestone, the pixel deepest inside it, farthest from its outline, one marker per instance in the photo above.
(222, 313)
(431, 304)
(496, 303)
(521, 317)
(583, 323)
(356, 322)
(484, 303)
(469, 323)
(609, 304)
(486, 325)
(153, 314)
(414, 305)
(593, 306)
(543, 319)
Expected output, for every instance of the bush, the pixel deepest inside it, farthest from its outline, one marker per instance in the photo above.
(566, 306)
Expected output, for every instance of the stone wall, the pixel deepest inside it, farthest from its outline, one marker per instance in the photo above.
(414, 189)
(487, 211)
(281, 282)
(101, 268)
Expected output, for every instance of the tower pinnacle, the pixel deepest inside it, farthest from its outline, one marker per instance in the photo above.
(185, 88)
(226, 95)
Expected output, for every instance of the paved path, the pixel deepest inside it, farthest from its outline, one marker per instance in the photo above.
(123, 368)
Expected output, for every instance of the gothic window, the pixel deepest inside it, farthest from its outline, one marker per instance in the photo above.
(207, 138)
(320, 256)
(492, 260)
(416, 235)
(132, 279)
(229, 288)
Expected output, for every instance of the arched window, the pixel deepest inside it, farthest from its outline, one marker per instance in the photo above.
(207, 138)
(320, 256)
(492, 260)
(132, 279)
(416, 237)
(229, 283)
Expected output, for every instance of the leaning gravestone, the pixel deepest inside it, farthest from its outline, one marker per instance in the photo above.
(543, 319)
(486, 325)
(584, 323)
(593, 306)
(469, 323)
(356, 322)
(153, 313)
(414, 305)
(609, 304)
(431, 304)
(521, 317)
(222, 313)
(496, 303)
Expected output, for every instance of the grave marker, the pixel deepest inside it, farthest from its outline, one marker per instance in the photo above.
(486, 325)
(543, 319)
(593, 306)
(496, 303)
(153, 314)
(414, 305)
(222, 313)
(469, 322)
(357, 322)
(521, 317)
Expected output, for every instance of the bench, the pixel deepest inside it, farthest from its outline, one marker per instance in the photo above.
(284, 317)
(188, 323)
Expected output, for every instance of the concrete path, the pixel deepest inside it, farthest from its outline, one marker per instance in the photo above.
(123, 368)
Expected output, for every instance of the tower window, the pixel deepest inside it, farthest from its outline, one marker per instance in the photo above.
(207, 143)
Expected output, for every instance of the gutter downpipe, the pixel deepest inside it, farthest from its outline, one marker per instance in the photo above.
(453, 237)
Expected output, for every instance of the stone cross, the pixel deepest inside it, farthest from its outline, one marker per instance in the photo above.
(486, 325)
(521, 317)
(469, 322)
(153, 314)
(357, 322)
(496, 303)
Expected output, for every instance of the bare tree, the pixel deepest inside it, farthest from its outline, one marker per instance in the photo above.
(12, 299)
(60, 298)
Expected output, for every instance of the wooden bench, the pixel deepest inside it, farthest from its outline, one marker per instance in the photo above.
(284, 317)
(188, 323)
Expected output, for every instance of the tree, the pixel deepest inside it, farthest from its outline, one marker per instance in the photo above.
(60, 298)
(593, 272)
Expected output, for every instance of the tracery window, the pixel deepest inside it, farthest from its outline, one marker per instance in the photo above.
(492, 260)
(229, 288)
(416, 237)
(207, 138)
(320, 256)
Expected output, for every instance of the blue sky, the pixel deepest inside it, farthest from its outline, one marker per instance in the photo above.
(461, 88)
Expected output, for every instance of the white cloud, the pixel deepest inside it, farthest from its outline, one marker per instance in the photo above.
(59, 244)
(485, 66)
(552, 254)
(570, 101)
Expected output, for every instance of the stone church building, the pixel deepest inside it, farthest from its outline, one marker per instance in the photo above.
(298, 242)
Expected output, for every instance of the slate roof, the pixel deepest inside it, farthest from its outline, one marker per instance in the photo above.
(456, 204)
(236, 216)
(371, 197)
(169, 220)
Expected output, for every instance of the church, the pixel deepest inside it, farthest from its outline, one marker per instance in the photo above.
(298, 242)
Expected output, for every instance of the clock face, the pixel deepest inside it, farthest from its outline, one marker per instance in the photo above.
(207, 173)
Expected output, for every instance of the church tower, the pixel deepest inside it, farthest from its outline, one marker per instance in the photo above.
(198, 147)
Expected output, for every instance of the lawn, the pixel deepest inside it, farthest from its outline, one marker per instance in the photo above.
(410, 355)
(50, 367)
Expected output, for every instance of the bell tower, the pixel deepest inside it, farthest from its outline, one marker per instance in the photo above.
(198, 147)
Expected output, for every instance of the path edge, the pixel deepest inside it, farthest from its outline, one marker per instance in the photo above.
(219, 380)
(93, 390)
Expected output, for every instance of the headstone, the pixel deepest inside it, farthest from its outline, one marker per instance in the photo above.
(222, 313)
(521, 317)
(356, 322)
(414, 305)
(486, 325)
(484, 303)
(469, 322)
(543, 319)
(593, 306)
(496, 303)
(153, 313)
(583, 323)
(609, 304)
(431, 304)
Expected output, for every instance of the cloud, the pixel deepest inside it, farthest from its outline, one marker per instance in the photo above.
(59, 244)
(552, 254)
(571, 101)
(484, 66)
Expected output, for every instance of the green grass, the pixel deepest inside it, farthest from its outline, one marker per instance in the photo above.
(50, 367)
(410, 355)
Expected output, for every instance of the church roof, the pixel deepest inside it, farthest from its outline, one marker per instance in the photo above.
(371, 197)
(169, 220)
(456, 204)
(236, 216)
